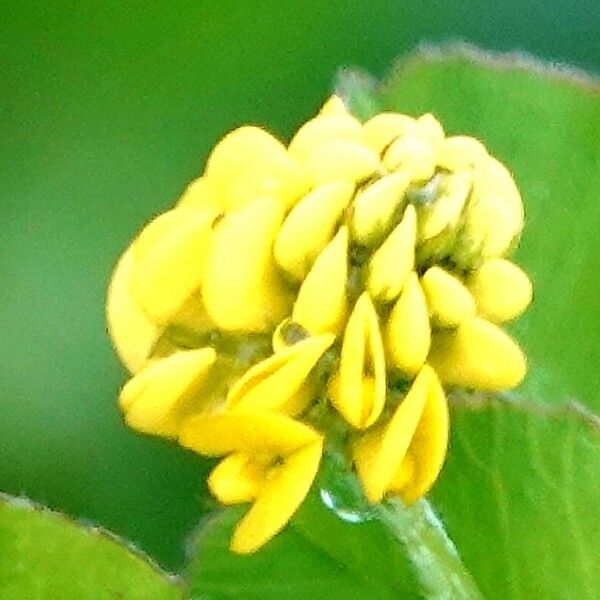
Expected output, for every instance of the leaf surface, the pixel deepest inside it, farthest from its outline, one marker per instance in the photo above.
(520, 497)
(46, 556)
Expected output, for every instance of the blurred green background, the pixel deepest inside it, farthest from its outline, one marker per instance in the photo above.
(107, 110)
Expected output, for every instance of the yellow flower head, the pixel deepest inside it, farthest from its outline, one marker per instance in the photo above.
(345, 279)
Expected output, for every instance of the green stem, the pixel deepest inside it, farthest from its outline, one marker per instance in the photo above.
(433, 555)
(417, 529)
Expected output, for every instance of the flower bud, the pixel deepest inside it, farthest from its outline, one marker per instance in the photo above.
(292, 293)
(492, 219)
(170, 258)
(249, 163)
(310, 226)
(133, 334)
(501, 290)
(420, 421)
(461, 152)
(154, 400)
(375, 207)
(358, 392)
(334, 107)
(274, 383)
(382, 129)
(322, 131)
(449, 301)
(240, 264)
(342, 160)
(477, 355)
(321, 305)
(411, 155)
(394, 259)
(408, 331)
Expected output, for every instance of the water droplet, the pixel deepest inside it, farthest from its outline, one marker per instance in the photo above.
(349, 515)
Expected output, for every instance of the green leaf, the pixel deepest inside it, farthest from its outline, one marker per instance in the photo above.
(544, 124)
(358, 90)
(337, 546)
(520, 498)
(45, 556)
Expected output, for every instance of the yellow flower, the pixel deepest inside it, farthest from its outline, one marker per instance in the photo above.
(292, 291)
(408, 329)
(271, 461)
(358, 389)
(154, 401)
(279, 383)
(406, 454)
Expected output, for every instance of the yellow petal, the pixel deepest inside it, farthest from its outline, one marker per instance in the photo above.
(237, 479)
(427, 451)
(449, 301)
(375, 207)
(431, 130)
(169, 268)
(242, 290)
(303, 398)
(278, 500)
(477, 355)
(218, 434)
(154, 231)
(334, 107)
(405, 473)
(407, 333)
(412, 155)
(249, 163)
(443, 213)
(273, 382)
(200, 195)
(321, 131)
(310, 226)
(154, 401)
(341, 160)
(493, 217)
(321, 305)
(132, 334)
(382, 129)
(461, 152)
(394, 259)
(501, 289)
(500, 190)
(358, 391)
(379, 453)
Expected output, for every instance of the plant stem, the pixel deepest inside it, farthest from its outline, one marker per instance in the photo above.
(433, 555)
(417, 529)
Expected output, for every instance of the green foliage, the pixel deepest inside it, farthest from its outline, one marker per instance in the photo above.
(520, 496)
(45, 556)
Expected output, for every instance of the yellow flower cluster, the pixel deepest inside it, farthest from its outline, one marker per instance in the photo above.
(357, 271)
